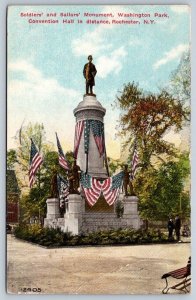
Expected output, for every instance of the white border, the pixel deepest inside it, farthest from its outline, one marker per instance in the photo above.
(3, 5)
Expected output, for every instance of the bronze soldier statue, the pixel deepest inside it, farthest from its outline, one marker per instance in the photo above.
(74, 179)
(89, 73)
(54, 185)
(127, 182)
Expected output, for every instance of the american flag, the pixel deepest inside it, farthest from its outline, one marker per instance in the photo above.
(91, 187)
(78, 134)
(63, 186)
(98, 133)
(62, 160)
(35, 161)
(97, 128)
(134, 163)
(111, 187)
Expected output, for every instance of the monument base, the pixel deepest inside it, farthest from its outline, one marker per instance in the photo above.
(72, 218)
(131, 211)
(74, 214)
(77, 220)
(53, 213)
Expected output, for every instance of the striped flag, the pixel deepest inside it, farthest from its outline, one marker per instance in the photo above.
(62, 160)
(78, 134)
(35, 161)
(111, 187)
(97, 128)
(91, 187)
(63, 186)
(134, 163)
(98, 133)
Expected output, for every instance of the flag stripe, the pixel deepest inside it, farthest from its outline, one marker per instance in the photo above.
(113, 197)
(96, 185)
(78, 134)
(62, 160)
(106, 184)
(134, 163)
(111, 187)
(91, 188)
(91, 196)
(63, 163)
(35, 162)
(98, 133)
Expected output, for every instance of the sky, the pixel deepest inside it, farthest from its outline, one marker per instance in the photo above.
(45, 63)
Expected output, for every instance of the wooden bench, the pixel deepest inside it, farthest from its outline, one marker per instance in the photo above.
(182, 273)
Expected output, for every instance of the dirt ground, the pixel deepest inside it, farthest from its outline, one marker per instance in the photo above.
(91, 270)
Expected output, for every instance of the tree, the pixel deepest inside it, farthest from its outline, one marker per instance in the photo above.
(162, 191)
(147, 118)
(180, 83)
(114, 165)
(11, 159)
(180, 87)
(70, 157)
(33, 201)
(37, 133)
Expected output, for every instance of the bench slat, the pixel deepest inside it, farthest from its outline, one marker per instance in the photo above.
(178, 274)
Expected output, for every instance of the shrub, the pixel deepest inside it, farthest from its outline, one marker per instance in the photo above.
(42, 236)
(55, 237)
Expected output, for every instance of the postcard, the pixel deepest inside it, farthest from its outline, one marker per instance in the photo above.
(98, 149)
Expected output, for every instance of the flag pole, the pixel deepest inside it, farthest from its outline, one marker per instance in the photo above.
(88, 140)
(39, 177)
(86, 162)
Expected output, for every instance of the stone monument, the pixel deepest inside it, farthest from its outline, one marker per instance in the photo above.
(90, 157)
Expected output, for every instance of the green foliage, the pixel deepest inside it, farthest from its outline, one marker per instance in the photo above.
(70, 157)
(55, 237)
(12, 187)
(37, 133)
(161, 180)
(162, 192)
(114, 165)
(33, 202)
(42, 236)
(33, 205)
(11, 159)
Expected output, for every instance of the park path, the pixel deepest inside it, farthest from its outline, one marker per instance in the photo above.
(91, 270)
